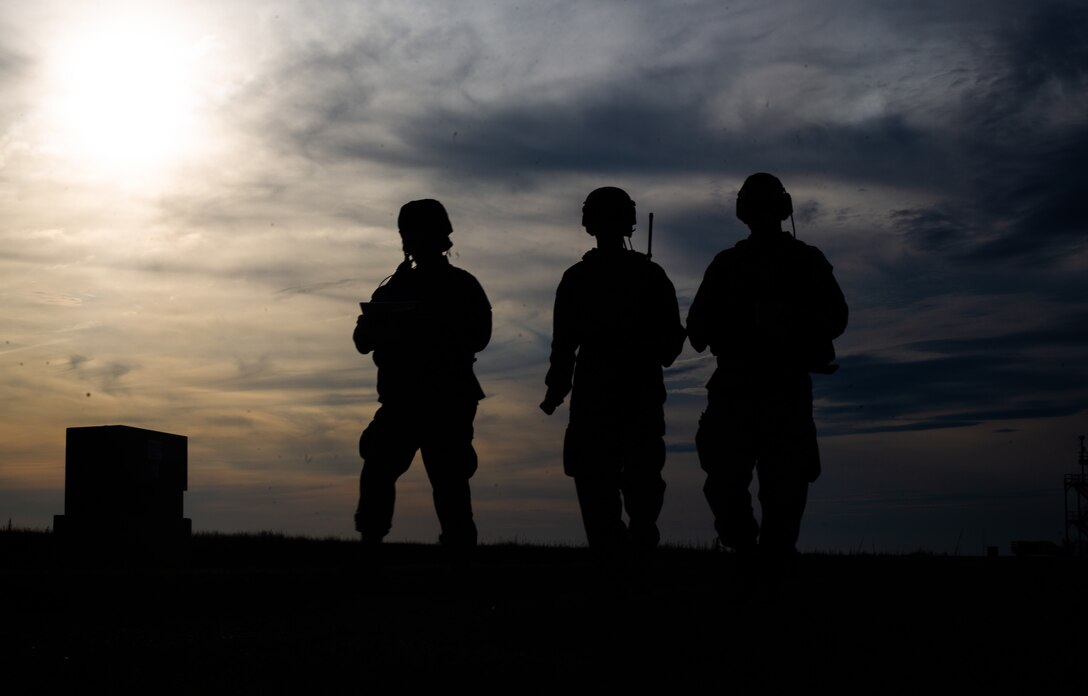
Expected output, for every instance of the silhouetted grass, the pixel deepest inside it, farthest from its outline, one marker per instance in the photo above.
(268, 612)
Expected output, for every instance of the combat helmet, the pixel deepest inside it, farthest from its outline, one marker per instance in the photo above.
(609, 208)
(424, 227)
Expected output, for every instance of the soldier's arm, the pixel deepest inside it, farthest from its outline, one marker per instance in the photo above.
(832, 313)
(480, 333)
(363, 335)
(564, 346)
(372, 327)
(473, 316)
(701, 314)
(672, 332)
(368, 326)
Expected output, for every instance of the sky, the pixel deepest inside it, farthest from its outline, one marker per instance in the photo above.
(196, 195)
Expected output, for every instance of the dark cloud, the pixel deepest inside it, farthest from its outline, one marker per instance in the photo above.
(1068, 331)
(315, 288)
(1049, 45)
(935, 230)
(77, 361)
(680, 447)
(12, 65)
(653, 119)
(972, 381)
(621, 132)
(1039, 212)
(321, 386)
(110, 376)
(1024, 142)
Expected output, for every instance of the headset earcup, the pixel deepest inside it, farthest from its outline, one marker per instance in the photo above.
(787, 205)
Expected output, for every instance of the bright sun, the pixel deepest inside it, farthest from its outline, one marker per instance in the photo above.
(124, 98)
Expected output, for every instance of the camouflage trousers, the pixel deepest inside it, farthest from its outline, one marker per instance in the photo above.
(617, 466)
(443, 435)
(768, 431)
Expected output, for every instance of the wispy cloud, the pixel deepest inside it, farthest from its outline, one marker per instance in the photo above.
(932, 150)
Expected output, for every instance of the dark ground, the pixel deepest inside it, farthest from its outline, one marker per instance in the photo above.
(278, 615)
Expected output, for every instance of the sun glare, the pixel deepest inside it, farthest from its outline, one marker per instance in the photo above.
(124, 98)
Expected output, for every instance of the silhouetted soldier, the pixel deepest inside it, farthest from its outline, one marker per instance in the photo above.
(425, 326)
(769, 309)
(616, 324)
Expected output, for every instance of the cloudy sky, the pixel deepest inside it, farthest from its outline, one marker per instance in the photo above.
(196, 195)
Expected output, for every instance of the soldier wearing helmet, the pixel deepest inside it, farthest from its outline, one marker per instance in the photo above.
(616, 325)
(768, 309)
(424, 327)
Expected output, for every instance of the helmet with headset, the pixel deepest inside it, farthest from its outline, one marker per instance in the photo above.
(608, 208)
(763, 196)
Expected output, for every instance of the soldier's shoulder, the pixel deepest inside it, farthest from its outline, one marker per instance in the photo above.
(461, 274)
(581, 268)
(390, 289)
(637, 257)
(730, 255)
(812, 253)
(653, 268)
(463, 280)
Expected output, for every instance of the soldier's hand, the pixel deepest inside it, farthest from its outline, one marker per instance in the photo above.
(548, 407)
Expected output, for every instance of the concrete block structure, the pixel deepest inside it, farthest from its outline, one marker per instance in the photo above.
(124, 483)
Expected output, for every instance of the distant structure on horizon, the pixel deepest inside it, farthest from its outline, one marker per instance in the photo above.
(1076, 504)
(124, 485)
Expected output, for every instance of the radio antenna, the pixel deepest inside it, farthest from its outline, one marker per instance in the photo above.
(650, 238)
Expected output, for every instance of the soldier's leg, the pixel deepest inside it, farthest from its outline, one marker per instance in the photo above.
(450, 460)
(783, 493)
(590, 458)
(727, 455)
(790, 461)
(599, 499)
(387, 447)
(642, 485)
